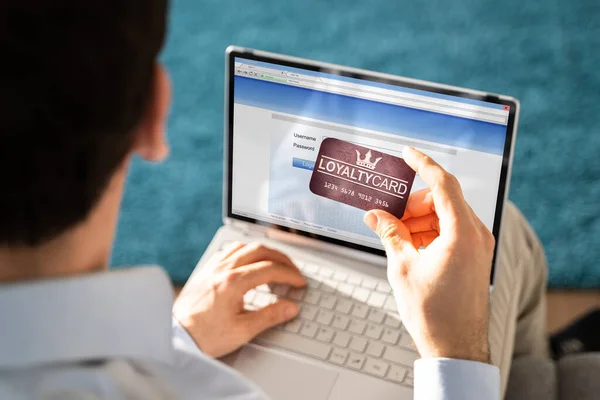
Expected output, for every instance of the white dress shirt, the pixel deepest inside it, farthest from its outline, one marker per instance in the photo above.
(110, 335)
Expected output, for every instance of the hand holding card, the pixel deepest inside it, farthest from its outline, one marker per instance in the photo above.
(361, 177)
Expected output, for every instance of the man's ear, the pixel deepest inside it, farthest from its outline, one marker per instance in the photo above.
(150, 137)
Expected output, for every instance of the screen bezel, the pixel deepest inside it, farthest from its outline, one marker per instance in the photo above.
(233, 53)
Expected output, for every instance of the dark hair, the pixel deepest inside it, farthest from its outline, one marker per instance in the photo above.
(75, 79)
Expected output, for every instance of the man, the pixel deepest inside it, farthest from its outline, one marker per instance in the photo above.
(81, 94)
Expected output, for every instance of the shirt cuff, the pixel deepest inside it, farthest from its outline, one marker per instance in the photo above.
(451, 379)
(182, 339)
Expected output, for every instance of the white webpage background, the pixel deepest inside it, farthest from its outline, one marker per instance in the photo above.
(255, 132)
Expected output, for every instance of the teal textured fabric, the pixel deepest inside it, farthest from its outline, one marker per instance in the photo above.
(547, 54)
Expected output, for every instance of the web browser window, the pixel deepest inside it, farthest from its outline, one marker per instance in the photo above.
(282, 114)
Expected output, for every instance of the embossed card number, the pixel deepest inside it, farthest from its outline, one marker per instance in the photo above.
(361, 177)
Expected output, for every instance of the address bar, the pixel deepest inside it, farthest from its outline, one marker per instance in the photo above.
(397, 94)
(403, 101)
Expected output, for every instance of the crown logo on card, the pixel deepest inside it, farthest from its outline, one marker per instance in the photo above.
(366, 161)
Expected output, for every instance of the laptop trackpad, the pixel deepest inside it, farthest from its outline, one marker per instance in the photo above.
(282, 377)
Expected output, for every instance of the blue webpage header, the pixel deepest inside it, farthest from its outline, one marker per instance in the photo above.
(382, 117)
(369, 83)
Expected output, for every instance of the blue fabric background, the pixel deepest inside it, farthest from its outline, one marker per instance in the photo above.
(545, 53)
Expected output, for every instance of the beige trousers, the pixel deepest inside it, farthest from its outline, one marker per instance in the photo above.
(518, 307)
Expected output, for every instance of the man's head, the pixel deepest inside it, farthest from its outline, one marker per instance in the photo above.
(80, 90)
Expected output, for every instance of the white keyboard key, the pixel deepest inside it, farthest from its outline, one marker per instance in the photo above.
(309, 329)
(340, 322)
(345, 289)
(296, 294)
(338, 356)
(308, 312)
(361, 294)
(312, 297)
(410, 373)
(393, 321)
(295, 343)
(341, 339)
(355, 361)
(384, 287)
(360, 310)
(376, 300)
(328, 286)
(358, 344)
(293, 326)
(264, 288)
(376, 367)
(263, 299)
(406, 341)
(409, 382)
(249, 296)
(324, 317)
(390, 304)
(225, 245)
(396, 373)
(369, 283)
(374, 331)
(376, 316)
(310, 269)
(400, 356)
(354, 279)
(312, 283)
(325, 272)
(375, 349)
(340, 276)
(343, 306)
(325, 334)
(281, 290)
(390, 336)
(327, 301)
(357, 327)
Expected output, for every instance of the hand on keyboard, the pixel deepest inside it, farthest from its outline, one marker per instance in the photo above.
(346, 319)
(442, 291)
(211, 307)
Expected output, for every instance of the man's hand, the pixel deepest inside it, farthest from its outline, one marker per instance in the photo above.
(443, 290)
(211, 306)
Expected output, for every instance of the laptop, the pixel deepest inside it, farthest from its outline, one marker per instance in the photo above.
(348, 341)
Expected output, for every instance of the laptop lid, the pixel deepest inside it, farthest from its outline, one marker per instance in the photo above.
(278, 109)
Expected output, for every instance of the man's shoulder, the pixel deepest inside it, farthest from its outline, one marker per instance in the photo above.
(190, 376)
(103, 379)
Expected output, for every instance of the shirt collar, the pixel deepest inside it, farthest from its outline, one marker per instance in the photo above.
(118, 314)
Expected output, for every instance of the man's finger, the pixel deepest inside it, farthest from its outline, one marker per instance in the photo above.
(394, 235)
(253, 275)
(268, 317)
(419, 203)
(429, 222)
(256, 252)
(447, 194)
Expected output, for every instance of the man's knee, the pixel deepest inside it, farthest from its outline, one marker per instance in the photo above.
(518, 240)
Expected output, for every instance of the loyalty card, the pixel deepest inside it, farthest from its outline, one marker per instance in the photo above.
(361, 177)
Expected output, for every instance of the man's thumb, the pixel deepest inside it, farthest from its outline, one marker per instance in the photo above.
(394, 235)
(270, 316)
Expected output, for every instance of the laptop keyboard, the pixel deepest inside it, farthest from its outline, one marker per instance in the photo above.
(345, 319)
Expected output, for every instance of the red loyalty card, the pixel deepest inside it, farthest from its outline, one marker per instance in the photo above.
(361, 177)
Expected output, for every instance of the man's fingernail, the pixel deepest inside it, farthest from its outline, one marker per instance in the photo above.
(371, 220)
(290, 311)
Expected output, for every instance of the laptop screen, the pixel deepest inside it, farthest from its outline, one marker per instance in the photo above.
(281, 114)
